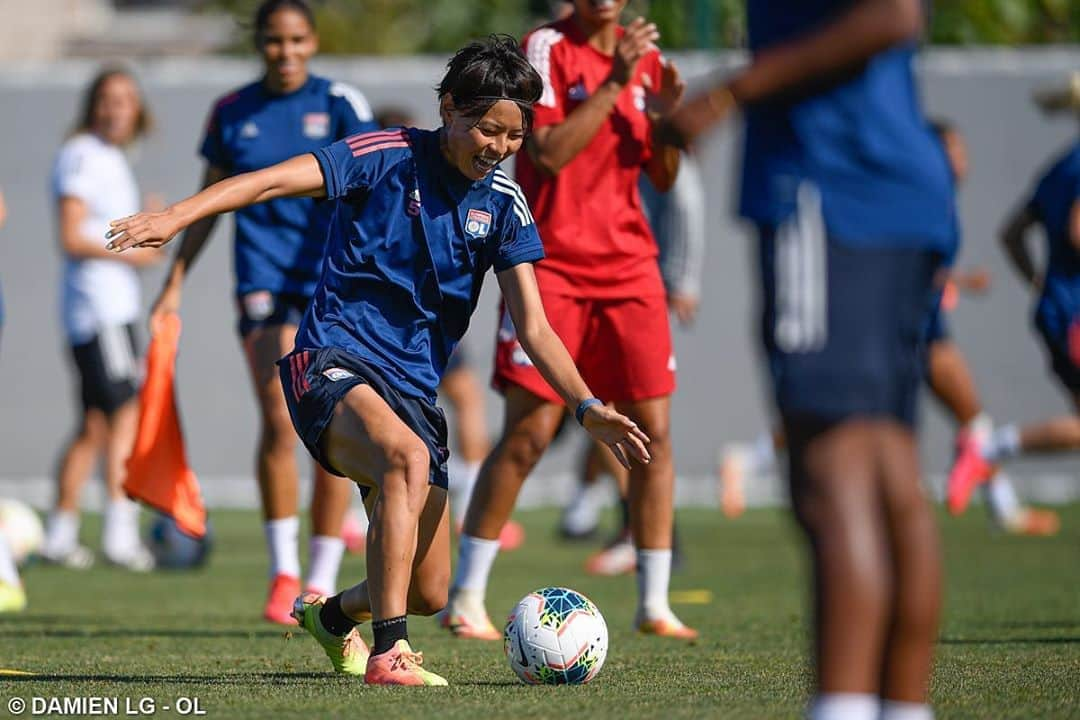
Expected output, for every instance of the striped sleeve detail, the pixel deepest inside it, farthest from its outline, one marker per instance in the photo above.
(355, 98)
(538, 51)
(502, 183)
(365, 143)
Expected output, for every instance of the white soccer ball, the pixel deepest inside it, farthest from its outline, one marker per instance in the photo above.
(555, 636)
(22, 529)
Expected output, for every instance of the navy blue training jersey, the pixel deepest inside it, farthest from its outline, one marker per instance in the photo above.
(862, 142)
(279, 244)
(410, 241)
(1055, 195)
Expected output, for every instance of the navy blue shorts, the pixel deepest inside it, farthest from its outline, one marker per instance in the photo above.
(262, 308)
(844, 328)
(315, 381)
(937, 327)
(1062, 361)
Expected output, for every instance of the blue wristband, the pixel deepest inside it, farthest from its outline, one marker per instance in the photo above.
(585, 405)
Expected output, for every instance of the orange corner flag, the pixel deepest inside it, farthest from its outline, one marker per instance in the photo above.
(158, 473)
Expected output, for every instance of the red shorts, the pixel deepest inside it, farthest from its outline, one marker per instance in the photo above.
(622, 347)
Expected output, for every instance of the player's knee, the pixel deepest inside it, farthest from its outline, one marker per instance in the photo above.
(430, 597)
(278, 435)
(410, 461)
(526, 446)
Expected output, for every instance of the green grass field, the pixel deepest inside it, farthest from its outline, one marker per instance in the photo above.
(1010, 640)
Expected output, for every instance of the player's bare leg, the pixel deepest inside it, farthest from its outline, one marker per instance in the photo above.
(651, 495)
(370, 443)
(528, 428)
(834, 473)
(120, 528)
(951, 381)
(916, 562)
(76, 464)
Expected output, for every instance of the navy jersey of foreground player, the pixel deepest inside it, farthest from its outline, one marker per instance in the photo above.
(882, 176)
(279, 244)
(1052, 203)
(410, 241)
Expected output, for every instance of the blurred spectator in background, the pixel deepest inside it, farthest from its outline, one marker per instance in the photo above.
(93, 183)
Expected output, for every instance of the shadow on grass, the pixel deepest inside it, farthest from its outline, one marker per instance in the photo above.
(1042, 624)
(1069, 640)
(228, 679)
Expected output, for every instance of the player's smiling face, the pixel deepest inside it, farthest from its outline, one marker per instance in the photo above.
(599, 12)
(476, 145)
(287, 42)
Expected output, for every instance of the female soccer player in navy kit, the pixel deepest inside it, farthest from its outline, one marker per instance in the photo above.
(277, 259)
(1055, 205)
(853, 201)
(418, 218)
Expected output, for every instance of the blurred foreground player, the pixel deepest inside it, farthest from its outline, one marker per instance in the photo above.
(278, 251)
(853, 200)
(1055, 206)
(419, 218)
(601, 287)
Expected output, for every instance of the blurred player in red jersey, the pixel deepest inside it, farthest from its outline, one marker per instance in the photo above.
(603, 87)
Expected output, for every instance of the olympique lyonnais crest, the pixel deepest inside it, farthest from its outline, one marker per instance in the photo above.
(478, 223)
(316, 125)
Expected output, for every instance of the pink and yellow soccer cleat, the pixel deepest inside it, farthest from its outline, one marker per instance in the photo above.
(618, 558)
(667, 627)
(348, 653)
(1036, 523)
(400, 665)
(465, 617)
(279, 601)
(969, 471)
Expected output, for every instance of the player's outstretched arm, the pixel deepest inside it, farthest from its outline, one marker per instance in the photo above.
(1014, 240)
(867, 28)
(545, 349)
(297, 177)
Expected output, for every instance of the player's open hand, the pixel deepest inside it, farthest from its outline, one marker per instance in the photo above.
(145, 229)
(619, 433)
(662, 101)
(640, 37)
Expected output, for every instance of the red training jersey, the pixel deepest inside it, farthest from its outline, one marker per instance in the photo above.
(597, 241)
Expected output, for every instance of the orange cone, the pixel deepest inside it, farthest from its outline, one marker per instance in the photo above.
(158, 472)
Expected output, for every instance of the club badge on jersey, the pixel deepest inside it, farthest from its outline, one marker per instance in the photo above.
(316, 125)
(478, 223)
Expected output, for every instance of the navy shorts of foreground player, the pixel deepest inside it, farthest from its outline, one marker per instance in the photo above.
(844, 327)
(315, 381)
